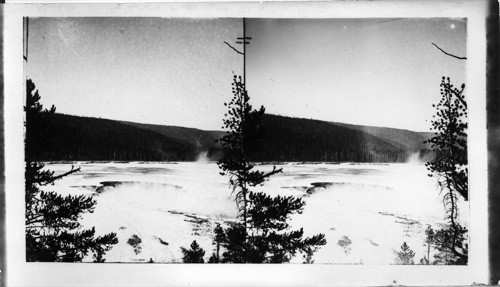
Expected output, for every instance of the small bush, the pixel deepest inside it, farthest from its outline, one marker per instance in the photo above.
(405, 255)
(193, 255)
(345, 243)
(135, 242)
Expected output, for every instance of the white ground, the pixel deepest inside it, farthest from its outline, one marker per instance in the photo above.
(168, 205)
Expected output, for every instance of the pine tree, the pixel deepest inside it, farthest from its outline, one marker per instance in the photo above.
(262, 234)
(443, 239)
(53, 232)
(405, 255)
(243, 134)
(193, 255)
(449, 165)
(450, 141)
(218, 240)
(429, 240)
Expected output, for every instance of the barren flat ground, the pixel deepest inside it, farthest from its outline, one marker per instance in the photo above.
(366, 211)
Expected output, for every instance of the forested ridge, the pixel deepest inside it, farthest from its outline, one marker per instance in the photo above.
(401, 138)
(84, 138)
(287, 139)
(198, 140)
(292, 139)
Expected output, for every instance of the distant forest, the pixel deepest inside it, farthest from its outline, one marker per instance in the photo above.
(295, 139)
(287, 139)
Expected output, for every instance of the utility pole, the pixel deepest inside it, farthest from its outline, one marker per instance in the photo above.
(25, 60)
(242, 41)
(25, 39)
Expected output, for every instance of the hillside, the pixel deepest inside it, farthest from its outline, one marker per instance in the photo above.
(84, 138)
(287, 139)
(200, 140)
(398, 137)
(290, 139)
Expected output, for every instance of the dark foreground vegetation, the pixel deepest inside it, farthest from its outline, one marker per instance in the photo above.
(53, 230)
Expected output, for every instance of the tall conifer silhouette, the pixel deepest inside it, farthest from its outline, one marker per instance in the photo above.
(263, 234)
(53, 232)
(449, 165)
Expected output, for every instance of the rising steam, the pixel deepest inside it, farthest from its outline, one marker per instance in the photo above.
(202, 157)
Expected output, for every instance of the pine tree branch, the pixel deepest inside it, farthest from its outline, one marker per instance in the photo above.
(33, 226)
(452, 248)
(274, 171)
(451, 55)
(35, 220)
(73, 170)
(459, 95)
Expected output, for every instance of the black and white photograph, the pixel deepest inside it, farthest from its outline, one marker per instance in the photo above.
(328, 141)
(246, 140)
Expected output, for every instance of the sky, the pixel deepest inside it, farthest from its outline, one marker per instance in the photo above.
(378, 72)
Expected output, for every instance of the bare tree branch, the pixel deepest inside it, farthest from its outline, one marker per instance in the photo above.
(233, 48)
(451, 55)
(73, 170)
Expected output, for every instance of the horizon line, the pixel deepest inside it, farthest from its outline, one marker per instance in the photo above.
(221, 130)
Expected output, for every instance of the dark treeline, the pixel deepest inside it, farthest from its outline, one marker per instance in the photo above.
(82, 138)
(199, 138)
(288, 139)
(295, 139)
(403, 139)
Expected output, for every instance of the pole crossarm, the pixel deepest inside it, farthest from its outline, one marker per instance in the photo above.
(242, 41)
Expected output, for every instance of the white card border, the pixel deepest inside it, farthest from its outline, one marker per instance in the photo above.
(20, 273)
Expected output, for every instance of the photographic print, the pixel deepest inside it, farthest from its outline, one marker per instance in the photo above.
(246, 140)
